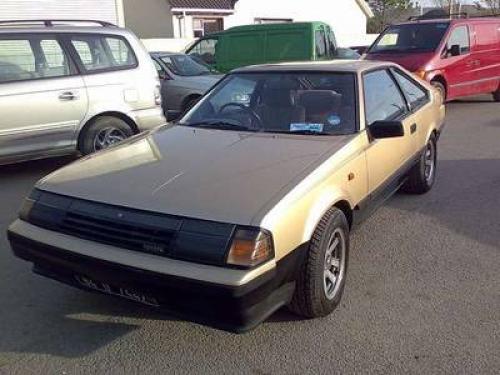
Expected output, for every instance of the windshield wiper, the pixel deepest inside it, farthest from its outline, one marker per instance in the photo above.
(218, 124)
(297, 132)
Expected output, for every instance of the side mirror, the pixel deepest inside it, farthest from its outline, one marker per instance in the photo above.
(163, 75)
(386, 129)
(454, 50)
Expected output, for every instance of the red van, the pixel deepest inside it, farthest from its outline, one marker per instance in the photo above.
(460, 56)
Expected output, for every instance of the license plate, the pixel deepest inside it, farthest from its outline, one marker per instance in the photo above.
(116, 291)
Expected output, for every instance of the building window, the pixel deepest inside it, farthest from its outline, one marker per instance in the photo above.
(206, 26)
(261, 21)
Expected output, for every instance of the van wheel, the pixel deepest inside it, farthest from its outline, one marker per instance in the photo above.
(321, 279)
(104, 132)
(496, 95)
(422, 176)
(440, 87)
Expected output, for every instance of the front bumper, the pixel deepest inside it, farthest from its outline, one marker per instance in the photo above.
(232, 307)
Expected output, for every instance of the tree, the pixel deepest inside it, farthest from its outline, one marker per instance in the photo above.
(387, 12)
(492, 5)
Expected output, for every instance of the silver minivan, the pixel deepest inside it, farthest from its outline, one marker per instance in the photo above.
(68, 86)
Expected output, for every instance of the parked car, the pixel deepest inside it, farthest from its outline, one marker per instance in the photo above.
(266, 43)
(246, 204)
(68, 86)
(184, 79)
(460, 56)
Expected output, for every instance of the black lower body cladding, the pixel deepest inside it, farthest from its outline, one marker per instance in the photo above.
(234, 308)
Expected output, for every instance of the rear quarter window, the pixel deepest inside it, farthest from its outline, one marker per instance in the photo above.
(103, 53)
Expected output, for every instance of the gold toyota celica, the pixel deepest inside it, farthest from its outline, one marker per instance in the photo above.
(245, 205)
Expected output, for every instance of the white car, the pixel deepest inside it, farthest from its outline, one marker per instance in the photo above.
(68, 86)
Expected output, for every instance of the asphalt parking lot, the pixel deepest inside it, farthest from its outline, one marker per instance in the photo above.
(422, 294)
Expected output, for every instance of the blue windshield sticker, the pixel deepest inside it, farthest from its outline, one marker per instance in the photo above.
(303, 126)
(334, 120)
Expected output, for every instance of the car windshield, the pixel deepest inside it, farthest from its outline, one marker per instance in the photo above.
(184, 65)
(295, 103)
(418, 37)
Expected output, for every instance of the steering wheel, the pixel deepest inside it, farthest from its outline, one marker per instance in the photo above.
(248, 110)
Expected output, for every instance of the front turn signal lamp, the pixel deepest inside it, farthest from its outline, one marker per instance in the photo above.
(250, 247)
(420, 73)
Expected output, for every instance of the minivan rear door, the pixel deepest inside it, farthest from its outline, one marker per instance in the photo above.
(42, 98)
(486, 51)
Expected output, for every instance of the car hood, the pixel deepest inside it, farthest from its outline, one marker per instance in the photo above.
(410, 61)
(208, 174)
(200, 82)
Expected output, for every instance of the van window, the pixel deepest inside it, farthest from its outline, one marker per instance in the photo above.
(205, 49)
(98, 52)
(382, 107)
(19, 62)
(460, 36)
(320, 40)
(412, 37)
(415, 94)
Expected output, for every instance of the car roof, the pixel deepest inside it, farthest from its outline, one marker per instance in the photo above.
(162, 54)
(453, 21)
(64, 27)
(342, 66)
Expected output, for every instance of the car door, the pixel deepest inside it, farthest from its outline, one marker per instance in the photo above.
(387, 159)
(461, 68)
(417, 98)
(42, 98)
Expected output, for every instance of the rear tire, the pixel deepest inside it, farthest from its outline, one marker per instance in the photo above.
(104, 132)
(422, 176)
(321, 279)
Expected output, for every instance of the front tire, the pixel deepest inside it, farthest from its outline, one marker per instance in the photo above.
(496, 95)
(104, 132)
(321, 279)
(422, 176)
(441, 88)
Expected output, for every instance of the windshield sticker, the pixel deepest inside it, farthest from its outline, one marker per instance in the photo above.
(308, 127)
(441, 26)
(334, 120)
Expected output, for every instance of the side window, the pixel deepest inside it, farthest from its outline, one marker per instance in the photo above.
(414, 92)
(332, 44)
(98, 52)
(56, 63)
(459, 36)
(17, 60)
(383, 100)
(20, 62)
(320, 41)
(205, 49)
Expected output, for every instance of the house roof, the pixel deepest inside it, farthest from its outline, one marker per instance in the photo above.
(203, 4)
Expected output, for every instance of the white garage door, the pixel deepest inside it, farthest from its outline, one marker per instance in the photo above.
(103, 10)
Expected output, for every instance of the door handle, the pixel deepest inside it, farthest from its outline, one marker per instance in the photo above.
(473, 63)
(413, 128)
(68, 96)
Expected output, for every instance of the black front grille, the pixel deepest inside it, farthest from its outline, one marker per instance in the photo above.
(164, 235)
(116, 233)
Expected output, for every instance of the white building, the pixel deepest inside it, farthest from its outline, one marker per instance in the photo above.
(189, 19)
(348, 18)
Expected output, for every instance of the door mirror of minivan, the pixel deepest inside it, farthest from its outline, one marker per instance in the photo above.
(454, 50)
(386, 129)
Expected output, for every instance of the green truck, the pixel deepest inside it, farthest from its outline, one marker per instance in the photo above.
(268, 43)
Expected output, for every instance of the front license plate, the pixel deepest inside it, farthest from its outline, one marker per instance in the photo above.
(116, 291)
